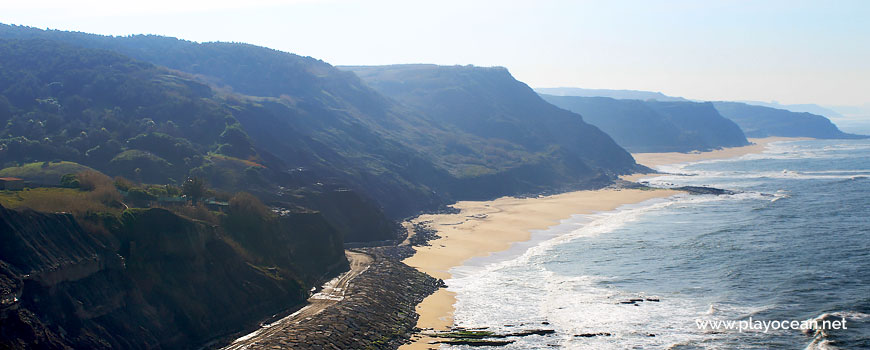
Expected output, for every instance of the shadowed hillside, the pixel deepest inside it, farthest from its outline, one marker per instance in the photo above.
(653, 126)
(759, 121)
(130, 118)
(490, 105)
(327, 123)
(161, 253)
(617, 94)
(155, 279)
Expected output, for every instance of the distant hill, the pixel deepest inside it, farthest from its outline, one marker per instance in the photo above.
(849, 119)
(759, 121)
(524, 140)
(654, 126)
(799, 108)
(339, 159)
(327, 127)
(129, 118)
(617, 94)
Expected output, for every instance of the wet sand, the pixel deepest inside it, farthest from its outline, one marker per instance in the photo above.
(485, 227)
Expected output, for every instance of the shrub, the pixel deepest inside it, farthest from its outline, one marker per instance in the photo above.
(90, 180)
(156, 190)
(173, 191)
(123, 184)
(246, 213)
(194, 188)
(107, 195)
(139, 195)
(246, 205)
(69, 181)
(198, 213)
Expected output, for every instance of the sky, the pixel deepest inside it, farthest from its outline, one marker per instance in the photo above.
(786, 51)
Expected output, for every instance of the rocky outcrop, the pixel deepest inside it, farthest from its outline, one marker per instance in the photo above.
(156, 280)
(377, 312)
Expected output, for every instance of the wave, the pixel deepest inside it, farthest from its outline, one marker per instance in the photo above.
(561, 282)
(676, 179)
(783, 150)
(523, 292)
(821, 337)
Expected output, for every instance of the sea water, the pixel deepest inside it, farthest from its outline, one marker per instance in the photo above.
(791, 244)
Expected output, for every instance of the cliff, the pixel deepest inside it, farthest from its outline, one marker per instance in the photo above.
(156, 280)
(652, 126)
(760, 121)
(302, 113)
(616, 94)
(498, 133)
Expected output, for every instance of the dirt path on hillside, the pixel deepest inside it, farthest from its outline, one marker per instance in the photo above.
(332, 293)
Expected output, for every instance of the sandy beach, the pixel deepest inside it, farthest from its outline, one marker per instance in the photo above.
(485, 227)
(654, 160)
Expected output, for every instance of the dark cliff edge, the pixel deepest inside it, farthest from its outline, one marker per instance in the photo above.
(301, 113)
(157, 280)
(296, 132)
(760, 121)
(123, 117)
(500, 137)
(655, 126)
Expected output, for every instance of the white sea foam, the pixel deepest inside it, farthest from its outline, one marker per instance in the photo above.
(522, 293)
(516, 290)
(777, 150)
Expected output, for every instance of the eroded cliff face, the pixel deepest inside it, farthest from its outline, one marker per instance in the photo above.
(156, 280)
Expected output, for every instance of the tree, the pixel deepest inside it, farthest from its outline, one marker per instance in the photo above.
(194, 188)
(69, 181)
(246, 205)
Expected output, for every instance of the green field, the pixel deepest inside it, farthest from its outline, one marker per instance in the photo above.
(44, 172)
(52, 199)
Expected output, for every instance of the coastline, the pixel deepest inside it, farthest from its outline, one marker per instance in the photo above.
(654, 160)
(481, 228)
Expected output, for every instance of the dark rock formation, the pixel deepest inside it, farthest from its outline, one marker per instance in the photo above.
(377, 312)
(156, 280)
(704, 190)
(590, 335)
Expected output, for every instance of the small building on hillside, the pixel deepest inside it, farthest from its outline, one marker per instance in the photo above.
(216, 205)
(11, 183)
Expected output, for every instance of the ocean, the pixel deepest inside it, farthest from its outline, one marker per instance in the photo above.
(791, 244)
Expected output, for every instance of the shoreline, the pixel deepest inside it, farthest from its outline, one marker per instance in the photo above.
(654, 160)
(482, 228)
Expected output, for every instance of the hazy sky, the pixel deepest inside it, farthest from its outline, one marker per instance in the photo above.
(788, 51)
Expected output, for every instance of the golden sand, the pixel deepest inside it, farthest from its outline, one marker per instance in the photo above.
(485, 227)
(653, 160)
(482, 228)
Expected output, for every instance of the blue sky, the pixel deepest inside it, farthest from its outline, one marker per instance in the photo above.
(788, 51)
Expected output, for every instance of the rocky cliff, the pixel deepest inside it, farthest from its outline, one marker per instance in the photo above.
(759, 121)
(153, 280)
(495, 134)
(654, 126)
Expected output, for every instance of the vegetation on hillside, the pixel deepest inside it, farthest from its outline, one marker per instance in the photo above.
(656, 126)
(109, 112)
(301, 113)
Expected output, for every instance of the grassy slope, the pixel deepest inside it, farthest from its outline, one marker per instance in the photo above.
(44, 173)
